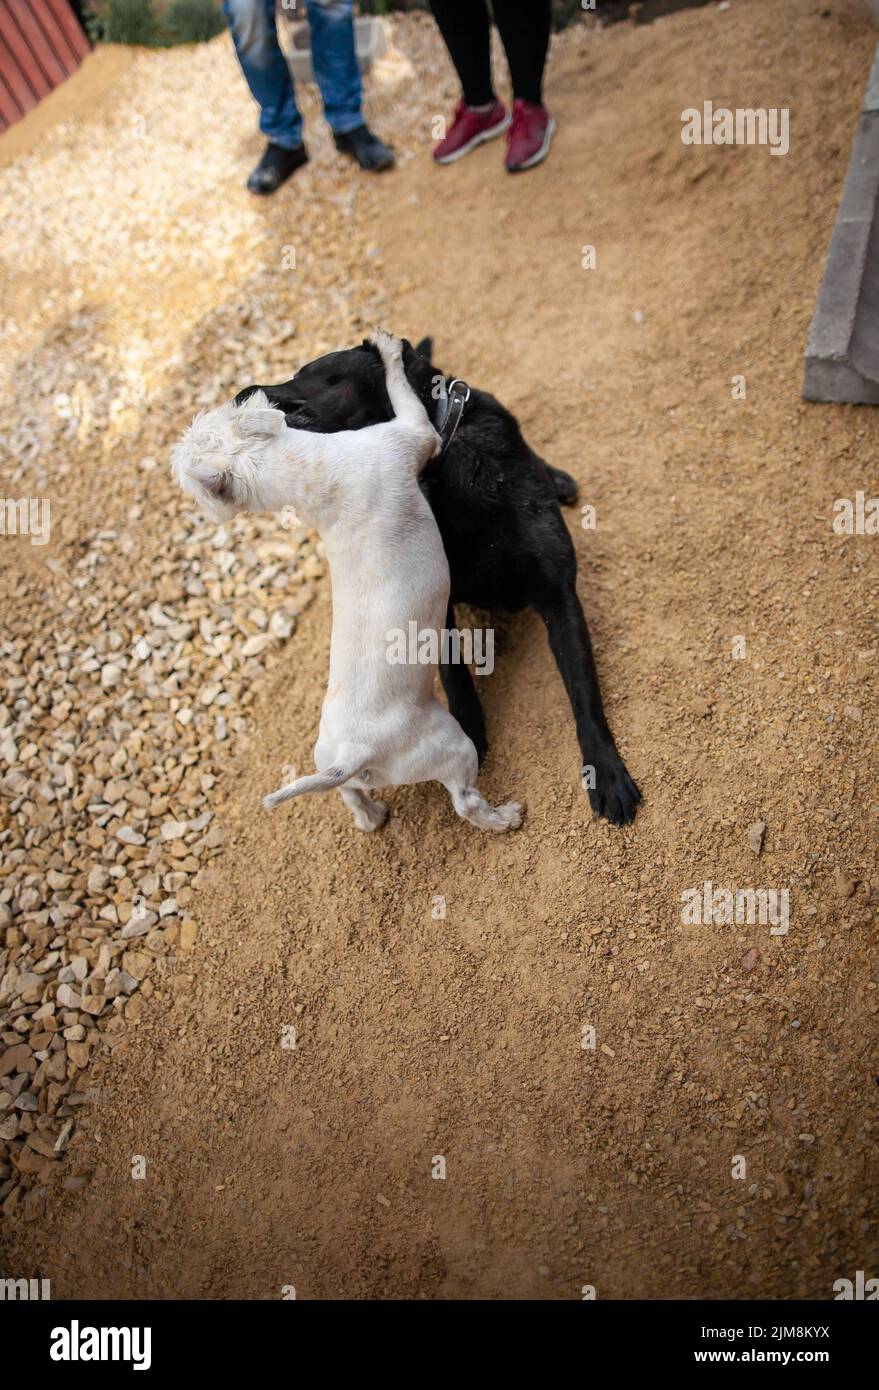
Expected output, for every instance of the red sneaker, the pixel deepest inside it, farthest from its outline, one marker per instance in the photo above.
(529, 137)
(469, 129)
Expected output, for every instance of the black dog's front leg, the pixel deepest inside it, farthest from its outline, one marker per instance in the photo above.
(612, 792)
(462, 699)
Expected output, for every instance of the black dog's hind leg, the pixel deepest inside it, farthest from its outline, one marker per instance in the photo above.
(462, 699)
(612, 793)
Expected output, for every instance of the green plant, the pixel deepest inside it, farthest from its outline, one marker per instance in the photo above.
(94, 25)
(192, 21)
(134, 22)
(128, 21)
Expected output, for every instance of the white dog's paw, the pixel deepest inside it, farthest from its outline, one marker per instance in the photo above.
(390, 347)
(509, 817)
(472, 806)
(371, 815)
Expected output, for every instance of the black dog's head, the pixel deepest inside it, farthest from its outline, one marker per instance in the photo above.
(346, 390)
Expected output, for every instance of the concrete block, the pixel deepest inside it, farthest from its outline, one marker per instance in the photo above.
(871, 99)
(842, 356)
(370, 42)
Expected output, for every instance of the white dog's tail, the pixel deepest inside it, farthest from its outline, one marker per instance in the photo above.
(317, 782)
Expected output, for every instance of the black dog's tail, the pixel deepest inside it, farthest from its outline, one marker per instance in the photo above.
(425, 349)
(562, 483)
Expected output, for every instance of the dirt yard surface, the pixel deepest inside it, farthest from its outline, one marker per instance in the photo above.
(165, 941)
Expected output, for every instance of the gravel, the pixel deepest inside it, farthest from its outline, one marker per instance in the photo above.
(139, 283)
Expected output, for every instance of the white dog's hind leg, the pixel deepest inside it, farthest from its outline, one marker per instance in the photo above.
(368, 814)
(457, 769)
(472, 806)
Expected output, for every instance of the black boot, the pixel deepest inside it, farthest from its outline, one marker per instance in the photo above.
(276, 165)
(370, 152)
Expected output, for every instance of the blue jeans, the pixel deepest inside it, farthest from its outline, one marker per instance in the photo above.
(264, 66)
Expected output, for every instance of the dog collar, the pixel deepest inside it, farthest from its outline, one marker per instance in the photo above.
(451, 408)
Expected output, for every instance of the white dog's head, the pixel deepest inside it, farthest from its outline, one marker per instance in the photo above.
(224, 459)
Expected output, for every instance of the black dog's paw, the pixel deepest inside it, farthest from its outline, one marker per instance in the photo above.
(612, 793)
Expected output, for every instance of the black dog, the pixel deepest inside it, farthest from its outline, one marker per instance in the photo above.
(497, 507)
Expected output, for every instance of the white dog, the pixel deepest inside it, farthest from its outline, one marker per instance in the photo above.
(381, 725)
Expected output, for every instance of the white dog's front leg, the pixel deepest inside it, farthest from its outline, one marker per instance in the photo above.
(407, 407)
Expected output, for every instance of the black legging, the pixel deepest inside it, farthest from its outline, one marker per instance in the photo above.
(524, 31)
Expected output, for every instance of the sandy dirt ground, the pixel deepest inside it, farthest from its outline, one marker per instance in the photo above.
(719, 1139)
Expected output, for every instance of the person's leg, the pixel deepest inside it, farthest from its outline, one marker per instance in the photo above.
(467, 35)
(335, 63)
(464, 25)
(265, 69)
(524, 31)
(337, 74)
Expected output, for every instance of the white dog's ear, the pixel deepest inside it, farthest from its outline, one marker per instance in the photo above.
(256, 419)
(261, 424)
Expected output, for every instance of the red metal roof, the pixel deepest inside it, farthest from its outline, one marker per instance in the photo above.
(41, 43)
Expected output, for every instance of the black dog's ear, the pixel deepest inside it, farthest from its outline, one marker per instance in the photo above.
(246, 393)
(425, 349)
(283, 396)
(417, 367)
